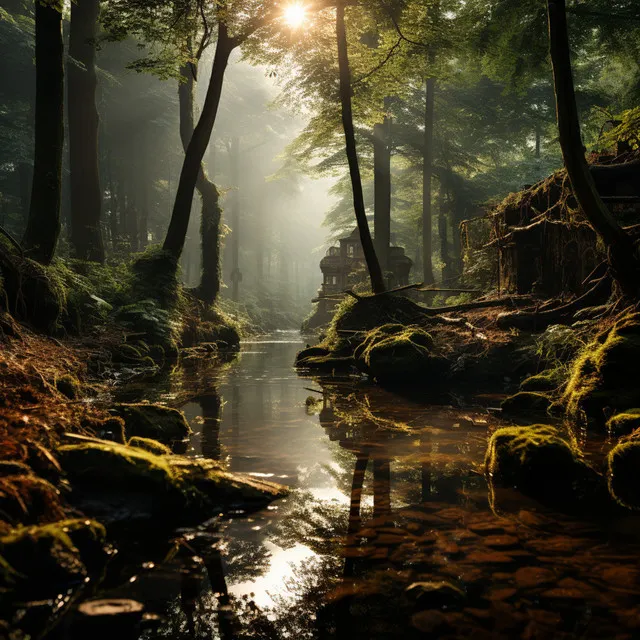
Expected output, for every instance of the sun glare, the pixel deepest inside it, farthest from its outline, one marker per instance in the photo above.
(294, 15)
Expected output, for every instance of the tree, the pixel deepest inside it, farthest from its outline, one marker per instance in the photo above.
(622, 254)
(86, 194)
(373, 266)
(43, 226)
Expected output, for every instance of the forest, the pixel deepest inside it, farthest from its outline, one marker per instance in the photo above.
(319, 319)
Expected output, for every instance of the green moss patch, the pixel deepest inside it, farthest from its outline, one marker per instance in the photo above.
(123, 483)
(153, 421)
(395, 353)
(623, 463)
(526, 404)
(546, 381)
(542, 463)
(152, 446)
(624, 423)
(43, 559)
(606, 374)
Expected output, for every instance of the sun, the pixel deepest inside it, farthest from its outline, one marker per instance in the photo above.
(295, 15)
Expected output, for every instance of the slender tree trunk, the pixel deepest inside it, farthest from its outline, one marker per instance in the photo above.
(236, 276)
(444, 235)
(427, 180)
(622, 255)
(382, 189)
(192, 164)
(86, 194)
(375, 272)
(43, 225)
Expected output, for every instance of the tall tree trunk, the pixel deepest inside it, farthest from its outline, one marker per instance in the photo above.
(444, 235)
(427, 181)
(192, 164)
(43, 225)
(236, 276)
(211, 212)
(375, 272)
(622, 255)
(382, 190)
(86, 195)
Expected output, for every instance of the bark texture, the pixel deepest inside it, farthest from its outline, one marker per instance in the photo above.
(192, 165)
(427, 181)
(375, 272)
(86, 194)
(622, 255)
(43, 224)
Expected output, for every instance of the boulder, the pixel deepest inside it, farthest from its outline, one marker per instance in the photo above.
(542, 463)
(42, 560)
(526, 404)
(116, 482)
(623, 463)
(153, 421)
(605, 377)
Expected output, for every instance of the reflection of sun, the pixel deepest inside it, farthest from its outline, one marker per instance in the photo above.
(294, 15)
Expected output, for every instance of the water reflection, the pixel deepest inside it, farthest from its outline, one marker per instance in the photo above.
(385, 493)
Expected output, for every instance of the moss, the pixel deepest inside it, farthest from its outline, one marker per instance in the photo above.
(68, 386)
(623, 463)
(396, 353)
(155, 277)
(119, 482)
(152, 446)
(540, 462)
(153, 421)
(605, 375)
(624, 423)
(39, 559)
(526, 403)
(549, 380)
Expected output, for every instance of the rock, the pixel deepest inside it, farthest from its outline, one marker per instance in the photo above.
(501, 542)
(395, 353)
(68, 386)
(532, 577)
(430, 623)
(40, 560)
(546, 381)
(623, 463)
(542, 463)
(109, 618)
(152, 446)
(525, 404)
(153, 421)
(117, 482)
(605, 375)
(624, 423)
(436, 594)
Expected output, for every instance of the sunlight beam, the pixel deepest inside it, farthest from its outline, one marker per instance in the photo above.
(295, 15)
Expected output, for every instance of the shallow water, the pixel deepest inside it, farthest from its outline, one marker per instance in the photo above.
(386, 493)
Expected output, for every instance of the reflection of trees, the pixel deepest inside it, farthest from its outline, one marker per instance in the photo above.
(211, 406)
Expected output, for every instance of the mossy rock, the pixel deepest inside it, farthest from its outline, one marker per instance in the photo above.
(158, 326)
(25, 498)
(546, 381)
(623, 463)
(43, 560)
(542, 463)
(153, 421)
(324, 361)
(152, 446)
(121, 483)
(624, 423)
(311, 352)
(68, 386)
(394, 353)
(605, 376)
(526, 404)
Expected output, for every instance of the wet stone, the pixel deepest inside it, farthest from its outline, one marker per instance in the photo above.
(557, 545)
(501, 542)
(621, 577)
(489, 557)
(486, 529)
(559, 594)
(531, 577)
(501, 594)
(436, 594)
(430, 622)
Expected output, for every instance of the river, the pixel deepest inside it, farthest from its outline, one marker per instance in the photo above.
(390, 530)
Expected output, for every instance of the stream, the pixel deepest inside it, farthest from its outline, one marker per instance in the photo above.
(390, 530)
